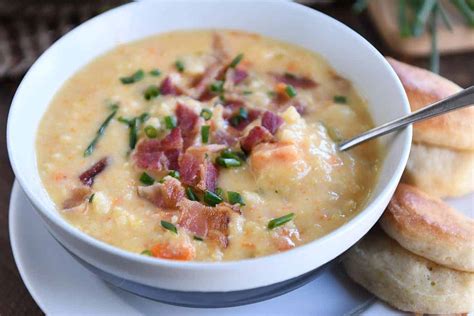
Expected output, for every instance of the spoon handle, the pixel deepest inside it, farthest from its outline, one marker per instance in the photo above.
(456, 101)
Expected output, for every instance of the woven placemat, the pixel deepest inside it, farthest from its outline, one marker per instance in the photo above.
(29, 27)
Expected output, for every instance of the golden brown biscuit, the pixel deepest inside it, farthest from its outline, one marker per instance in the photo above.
(407, 281)
(430, 228)
(454, 129)
(439, 171)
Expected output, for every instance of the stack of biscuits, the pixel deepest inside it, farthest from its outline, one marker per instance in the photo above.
(420, 256)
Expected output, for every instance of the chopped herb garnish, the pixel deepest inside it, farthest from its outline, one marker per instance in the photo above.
(146, 179)
(170, 122)
(247, 92)
(198, 238)
(220, 192)
(290, 91)
(236, 60)
(191, 195)
(91, 198)
(211, 198)
(205, 133)
(174, 174)
(228, 162)
(206, 114)
(146, 252)
(151, 132)
(133, 126)
(280, 221)
(151, 92)
(137, 76)
(235, 198)
(100, 132)
(124, 120)
(169, 226)
(242, 115)
(239, 155)
(179, 65)
(143, 117)
(217, 86)
(155, 72)
(340, 99)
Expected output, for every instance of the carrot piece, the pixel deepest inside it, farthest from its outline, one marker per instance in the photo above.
(183, 251)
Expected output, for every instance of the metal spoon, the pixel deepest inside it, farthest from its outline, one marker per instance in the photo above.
(456, 101)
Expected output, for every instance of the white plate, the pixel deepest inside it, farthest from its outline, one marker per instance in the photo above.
(61, 286)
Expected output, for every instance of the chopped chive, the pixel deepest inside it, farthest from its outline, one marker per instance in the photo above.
(239, 155)
(205, 133)
(191, 195)
(242, 115)
(217, 86)
(340, 99)
(174, 174)
(91, 198)
(220, 192)
(90, 148)
(133, 133)
(206, 114)
(237, 59)
(179, 65)
(212, 199)
(198, 238)
(151, 132)
(146, 252)
(137, 76)
(146, 179)
(151, 92)
(290, 91)
(235, 198)
(247, 92)
(155, 72)
(169, 226)
(280, 221)
(228, 162)
(124, 120)
(113, 106)
(170, 122)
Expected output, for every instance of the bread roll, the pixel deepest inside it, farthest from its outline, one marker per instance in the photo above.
(453, 130)
(430, 228)
(405, 280)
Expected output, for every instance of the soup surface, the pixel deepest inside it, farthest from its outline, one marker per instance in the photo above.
(206, 146)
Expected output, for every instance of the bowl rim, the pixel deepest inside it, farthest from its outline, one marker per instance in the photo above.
(208, 265)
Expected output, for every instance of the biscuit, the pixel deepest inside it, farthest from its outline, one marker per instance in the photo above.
(407, 281)
(440, 172)
(454, 129)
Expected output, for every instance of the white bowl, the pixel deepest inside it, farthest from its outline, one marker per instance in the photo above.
(346, 51)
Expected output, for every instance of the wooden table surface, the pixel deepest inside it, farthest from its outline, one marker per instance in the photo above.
(14, 297)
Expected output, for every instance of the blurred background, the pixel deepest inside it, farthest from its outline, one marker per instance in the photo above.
(433, 34)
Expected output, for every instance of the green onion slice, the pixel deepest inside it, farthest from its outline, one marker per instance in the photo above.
(169, 226)
(179, 65)
(228, 162)
(146, 179)
(212, 199)
(205, 133)
(217, 86)
(237, 59)
(340, 99)
(170, 122)
(235, 198)
(191, 195)
(206, 114)
(290, 91)
(151, 132)
(174, 174)
(146, 252)
(137, 76)
(198, 238)
(151, 92)
(155, 72)
(90, 148)
(280, 220)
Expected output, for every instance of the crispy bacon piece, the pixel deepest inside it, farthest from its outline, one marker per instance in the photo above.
(257, 135)
(197, 170)
(163, 195)
(87, 177)
(154, 154)
(78, 198)
(214, 72)
(189, 123)
(205, 221)
(271, 121)
(294, 80)
(167, 87)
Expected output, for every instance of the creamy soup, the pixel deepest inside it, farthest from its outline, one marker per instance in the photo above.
(206, 146)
